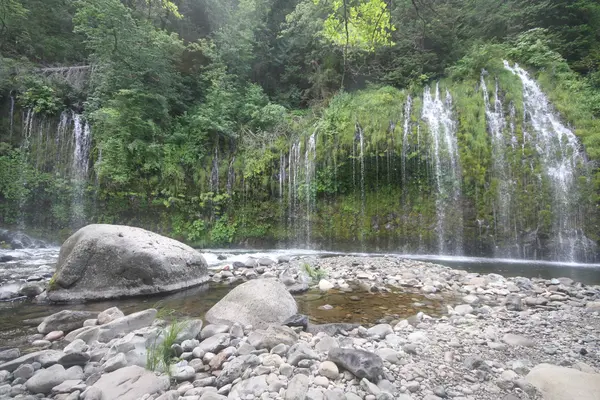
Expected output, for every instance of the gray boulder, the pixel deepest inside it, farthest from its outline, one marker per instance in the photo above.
(235, 368)
(130, 383)
(560, 383)
(44, 380)
(44, 357)
(121, 326)
(255, 386)
(65, 320)
(109, 261)
(362, 364)
(259, 303)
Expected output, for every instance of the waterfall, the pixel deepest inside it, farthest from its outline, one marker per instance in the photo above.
(11, 115)
(406, 132)
(230, 176)
(442, 128)
(361, 156)
(81, 155)
(310, 157)
(560, 156)
(293, 183)
(501, 172)
(214, 172)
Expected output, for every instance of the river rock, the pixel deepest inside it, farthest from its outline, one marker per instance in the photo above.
(273, 336)
(297, 388)
(130, 383)
(517, 340)
(44, 357)
(118, 327)
(255, 386)
(9, 354)
(362, 364)
(106, 261)
(259, 303)
(560, 383)
(109, 315)
(44, 380)
(235, 368)
(31, 289)
(65, 320)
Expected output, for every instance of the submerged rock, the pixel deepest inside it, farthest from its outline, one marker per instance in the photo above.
(258, 303)
(108, 261)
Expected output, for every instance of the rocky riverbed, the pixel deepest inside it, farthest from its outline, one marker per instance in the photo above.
(496, 338)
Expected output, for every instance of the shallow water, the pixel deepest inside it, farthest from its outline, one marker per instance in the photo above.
(357, 306)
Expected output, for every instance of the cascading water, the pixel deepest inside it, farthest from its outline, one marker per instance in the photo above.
(507, 243)
(361, 155)
(231, 176)
(294, 166)
(442, 128)
(405, 135)
(561, 158)
(83, 141)
(11, 115)
(310, 157)
(214, 172)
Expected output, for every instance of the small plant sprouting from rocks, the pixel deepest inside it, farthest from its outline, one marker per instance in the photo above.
(315, 273)
(160, 354)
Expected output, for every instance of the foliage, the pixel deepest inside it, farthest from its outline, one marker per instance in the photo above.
(315, 274)
(160, 354)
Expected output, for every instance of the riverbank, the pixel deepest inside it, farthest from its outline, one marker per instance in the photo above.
(487, 344)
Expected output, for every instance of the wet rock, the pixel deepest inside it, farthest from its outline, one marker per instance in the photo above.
(31, 289)
(265, 261)
(297, 320)
(74, 358)
(360, 363)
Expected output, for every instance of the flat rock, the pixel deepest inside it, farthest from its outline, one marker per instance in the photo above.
(255, 386)
(44, 380)
(118, 327)
(65, 320)
(560, 383)
(297, 388)
(130, 383)
(44, 357)
(103, 261)
(517, 340)
(235, 368)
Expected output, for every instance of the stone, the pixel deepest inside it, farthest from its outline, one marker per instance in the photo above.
(9, 354)
(44, 357)
(389, 355)
(118, 327)
(25, 371)
(74, 358)
(301, 351)
(189, 345)
(321, 381)
(109, 315)
(272, 360)
(255, 386)
(513, 302)
(517, 340)
(259, 303)
(327, 343)
(189, 329)
(184, 373)
(44, 380)
(297, 388)
(592, 306)
(381, 330)
(560, 383)
(325, 285)
(360, 363)
(212, 396)
(214, 344)
(54, 336)
(265, 261)
(76, 346)
(329, 370)
(463, 309)
(273, 336)
(213, 329)
(300, 320)
(116, 362)
(235, 368)
(65, 320)
(103, 261)
(31, 290)
(130, 383)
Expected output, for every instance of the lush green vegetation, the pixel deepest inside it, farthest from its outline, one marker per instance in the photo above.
(193, 106)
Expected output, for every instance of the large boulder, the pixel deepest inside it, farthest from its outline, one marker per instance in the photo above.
(260, 303)
(109, 261)
(561, 383)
